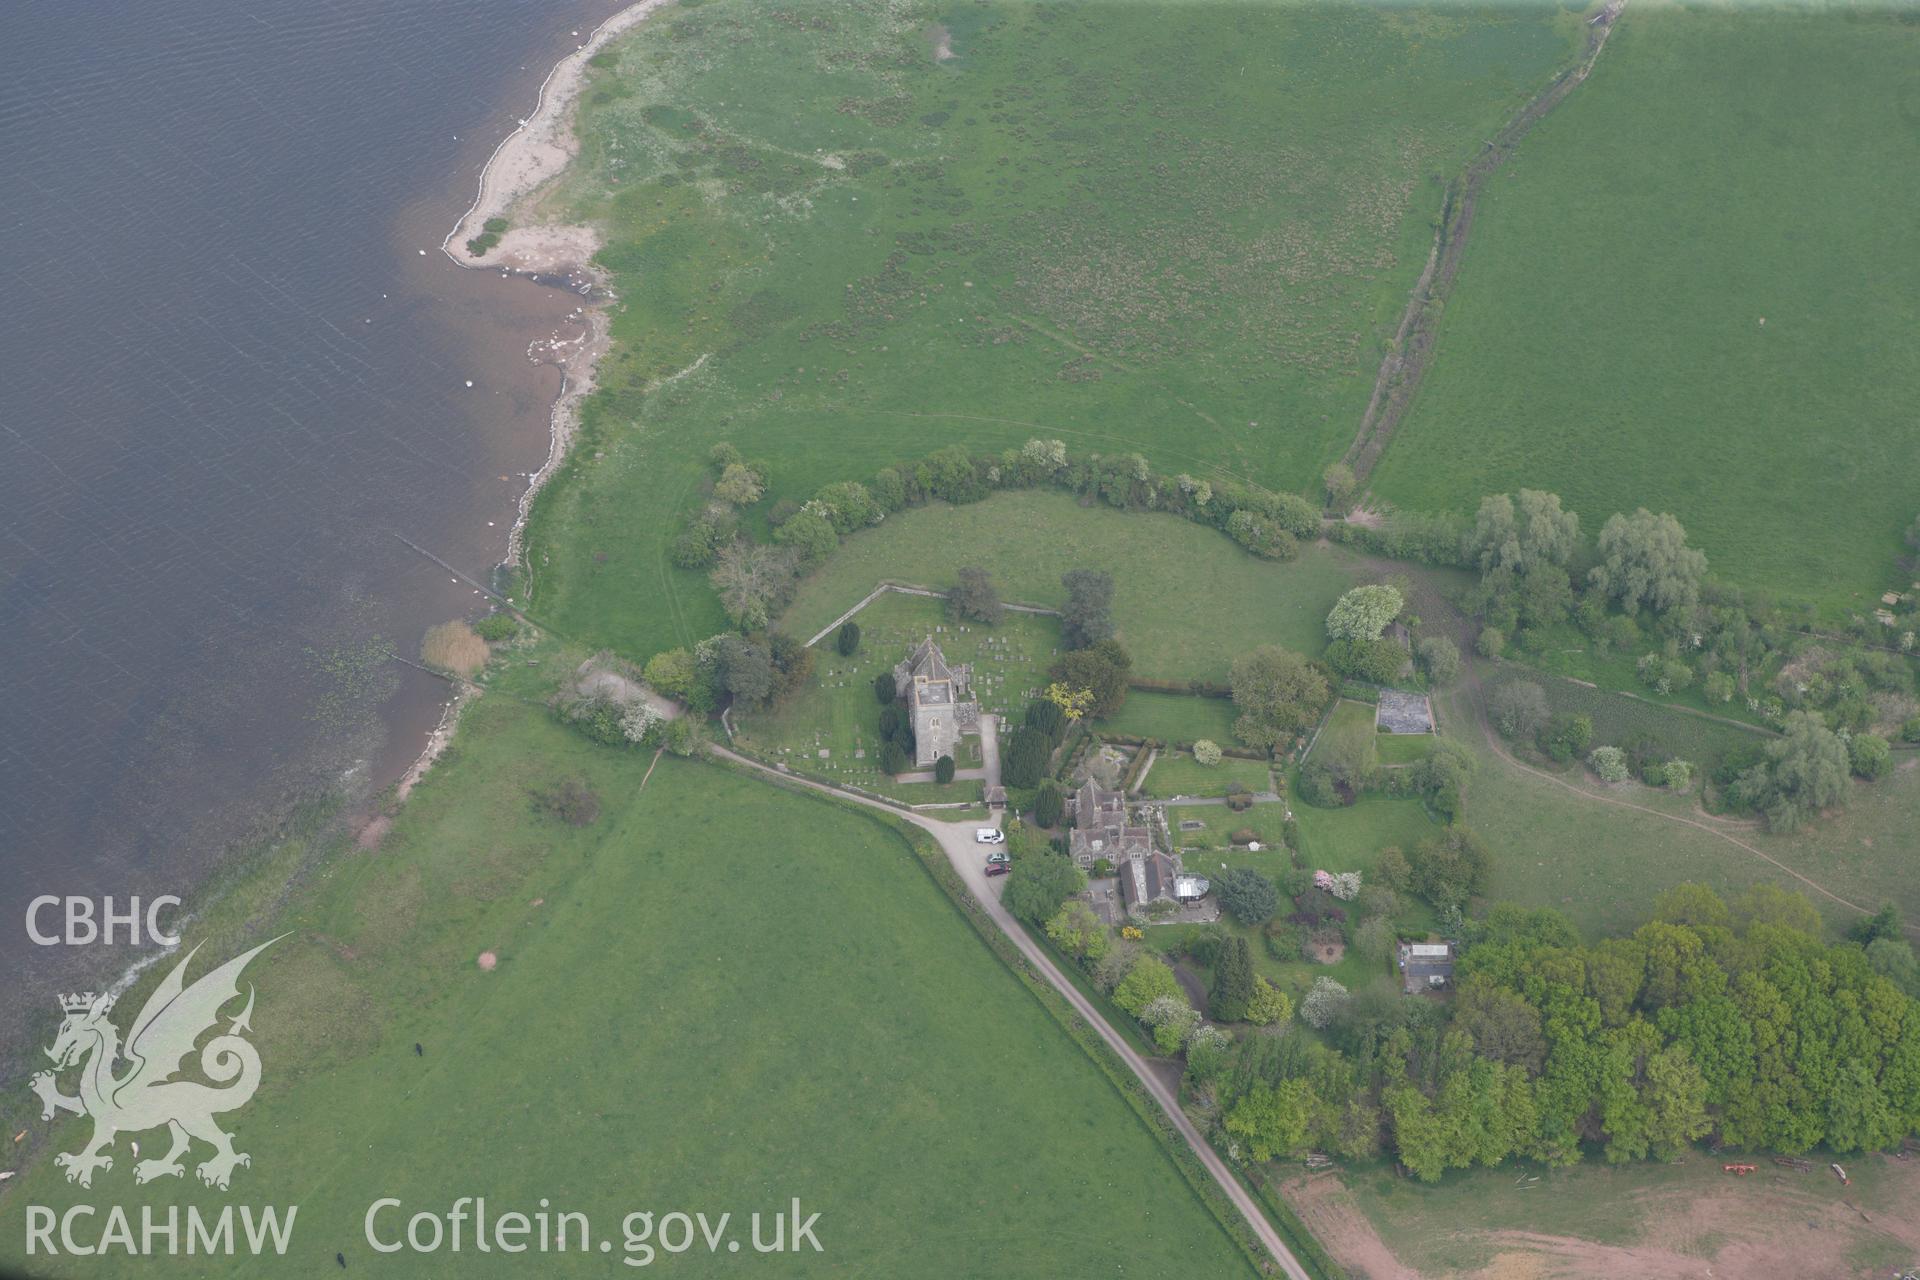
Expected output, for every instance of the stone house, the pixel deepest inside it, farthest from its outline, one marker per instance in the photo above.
(939, 698)
(1101, 829)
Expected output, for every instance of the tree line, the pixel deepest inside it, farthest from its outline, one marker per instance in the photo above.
(1732, 1022)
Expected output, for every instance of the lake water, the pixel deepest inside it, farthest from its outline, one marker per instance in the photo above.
(228, 379)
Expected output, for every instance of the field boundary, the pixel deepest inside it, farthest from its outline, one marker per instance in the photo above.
(1407, 360)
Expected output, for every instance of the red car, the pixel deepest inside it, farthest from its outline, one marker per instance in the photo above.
(998, 868)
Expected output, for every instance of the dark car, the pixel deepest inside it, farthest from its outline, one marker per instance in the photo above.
(998, 868)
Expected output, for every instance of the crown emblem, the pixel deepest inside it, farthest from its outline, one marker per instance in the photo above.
(78, 1002)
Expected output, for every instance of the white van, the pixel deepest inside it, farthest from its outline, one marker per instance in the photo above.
(989, 835)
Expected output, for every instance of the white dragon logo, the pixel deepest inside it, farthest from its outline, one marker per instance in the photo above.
(147, 1095)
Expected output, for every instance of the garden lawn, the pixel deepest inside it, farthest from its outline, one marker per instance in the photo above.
(1173, 717)
(1292, 973)
(1348, 839)
(1187, 601)
(718, 996)
(1403, 748)
(1717, 326)
(1267, 821)
(1344, 840)
(1350, 724)
(1176, 773)
(841, 251)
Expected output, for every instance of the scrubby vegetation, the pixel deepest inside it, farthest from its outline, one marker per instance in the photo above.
(454, 647)
(490, 232)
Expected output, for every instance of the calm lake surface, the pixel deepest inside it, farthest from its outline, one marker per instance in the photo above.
(228, 379)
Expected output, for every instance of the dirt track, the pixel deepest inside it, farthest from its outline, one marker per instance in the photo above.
(1770, 1225)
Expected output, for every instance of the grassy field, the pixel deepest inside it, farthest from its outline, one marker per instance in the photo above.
(880, 250)
(1173, 717)
(1603, 863)
(1606, 338)
(717, 996)
(1620, 718)
(1177, 623)
(831, 726)
(1176, 773)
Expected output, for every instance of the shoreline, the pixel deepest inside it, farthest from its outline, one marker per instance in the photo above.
(527, 159)
(530, 157)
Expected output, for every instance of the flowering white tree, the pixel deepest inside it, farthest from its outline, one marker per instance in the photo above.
(1345, 886)
(639, 721)
(1049, 455)
(1363, 613)
(1610, 763)
(1199, 490)
(1173, 1021)
(1324, 1003)
(1206, 752)
(1208, 1040)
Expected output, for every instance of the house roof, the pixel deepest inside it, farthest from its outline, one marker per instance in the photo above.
(1092, 800)
(1147, 878)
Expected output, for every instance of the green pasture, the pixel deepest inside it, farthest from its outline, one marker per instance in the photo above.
(1620, 718)
(1602, 862)
(1184, 230)
(1605, 339)
(1187, 601)
(717, 996)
